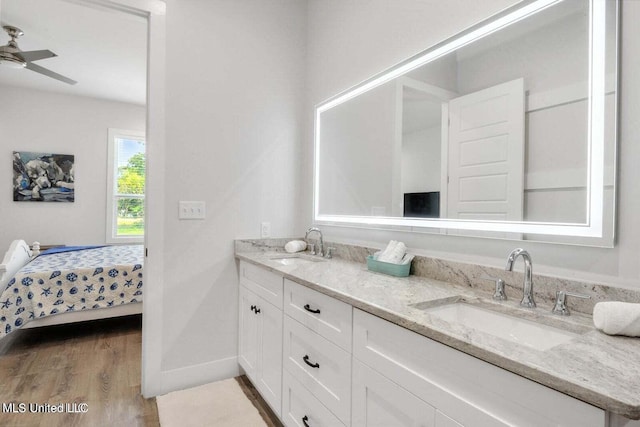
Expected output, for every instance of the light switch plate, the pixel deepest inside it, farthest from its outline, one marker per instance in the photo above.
(192, 210)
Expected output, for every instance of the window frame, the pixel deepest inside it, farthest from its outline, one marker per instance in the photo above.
(112, 162)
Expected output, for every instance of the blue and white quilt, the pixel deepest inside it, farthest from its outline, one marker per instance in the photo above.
(72, 281)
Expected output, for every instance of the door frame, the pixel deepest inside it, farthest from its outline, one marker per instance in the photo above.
(154, 11)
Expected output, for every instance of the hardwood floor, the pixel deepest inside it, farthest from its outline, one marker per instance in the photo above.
(97, 363)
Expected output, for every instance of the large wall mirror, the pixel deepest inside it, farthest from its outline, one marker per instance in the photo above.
(508, 127)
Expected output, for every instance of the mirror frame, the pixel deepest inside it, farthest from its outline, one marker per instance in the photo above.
(594, 226)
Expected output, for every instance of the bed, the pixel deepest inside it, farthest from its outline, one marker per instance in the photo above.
(68, 284)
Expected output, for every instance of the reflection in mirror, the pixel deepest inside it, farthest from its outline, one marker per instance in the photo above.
(504, 130)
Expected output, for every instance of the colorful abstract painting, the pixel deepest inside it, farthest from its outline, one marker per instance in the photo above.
(43, 177)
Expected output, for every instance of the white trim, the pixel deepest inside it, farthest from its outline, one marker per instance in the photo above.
(142, 8)
(112, 161)
(195, 375)
(154, 11)
(153, 301)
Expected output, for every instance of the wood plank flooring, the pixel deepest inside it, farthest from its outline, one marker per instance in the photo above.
(97, 363)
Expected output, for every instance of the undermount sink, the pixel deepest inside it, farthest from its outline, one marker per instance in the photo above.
(295, 259)
(520, 331)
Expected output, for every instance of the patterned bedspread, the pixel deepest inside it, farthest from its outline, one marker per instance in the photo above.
(71, 281)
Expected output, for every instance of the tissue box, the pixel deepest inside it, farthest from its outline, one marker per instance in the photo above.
(398, 270)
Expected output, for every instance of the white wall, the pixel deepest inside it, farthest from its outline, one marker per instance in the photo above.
(351, 41)
(32, 120)
(421, 160)
(357, 141)
(234, 81)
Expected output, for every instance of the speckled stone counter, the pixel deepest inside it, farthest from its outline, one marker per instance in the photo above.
(599, 369)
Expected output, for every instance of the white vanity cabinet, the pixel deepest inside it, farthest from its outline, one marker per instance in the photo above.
(260, 331)
(461, 389)
(319, 362)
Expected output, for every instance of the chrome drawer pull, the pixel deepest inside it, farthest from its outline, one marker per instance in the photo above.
(304, 421)
(311, 310)
(306, 360)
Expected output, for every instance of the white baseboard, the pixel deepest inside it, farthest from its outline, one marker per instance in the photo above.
(192, 376)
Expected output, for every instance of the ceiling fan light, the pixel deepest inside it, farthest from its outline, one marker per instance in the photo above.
(11, 62)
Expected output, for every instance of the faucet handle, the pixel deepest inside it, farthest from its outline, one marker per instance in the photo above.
(498, 293)
(560, 306)
(329, 253)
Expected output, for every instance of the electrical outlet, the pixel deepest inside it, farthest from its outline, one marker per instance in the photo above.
(265, 230)
(191, 210)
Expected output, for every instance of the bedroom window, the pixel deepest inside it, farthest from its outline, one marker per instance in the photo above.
(125, 186)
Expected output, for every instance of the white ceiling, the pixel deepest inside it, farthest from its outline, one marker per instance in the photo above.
(103, 50)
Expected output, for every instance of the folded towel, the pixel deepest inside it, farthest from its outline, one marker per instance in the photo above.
(384, 254)
(617, 318)
(295, 246)
(393, 253)
(407, 259)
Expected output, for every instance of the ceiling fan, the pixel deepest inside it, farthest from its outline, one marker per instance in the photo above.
(12, 56)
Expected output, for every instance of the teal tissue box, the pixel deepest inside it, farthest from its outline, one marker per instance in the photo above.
(398, 270)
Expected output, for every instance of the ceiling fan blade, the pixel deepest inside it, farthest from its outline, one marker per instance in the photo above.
(38, 69)
(35, 55)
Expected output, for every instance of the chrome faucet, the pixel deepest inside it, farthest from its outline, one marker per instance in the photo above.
(527, 291)
(320, 244)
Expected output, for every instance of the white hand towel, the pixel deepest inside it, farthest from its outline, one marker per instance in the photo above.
(385, 255)
(295, 246)
(617, 318)
(393, 253)
(398, 253)
(407, 259)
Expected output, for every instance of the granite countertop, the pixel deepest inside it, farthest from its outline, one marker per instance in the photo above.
(594, 367)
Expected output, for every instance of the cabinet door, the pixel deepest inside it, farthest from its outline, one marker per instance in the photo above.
(443, 421)
(248, 333)
(466, 389)
(379, 402)
(269, 366)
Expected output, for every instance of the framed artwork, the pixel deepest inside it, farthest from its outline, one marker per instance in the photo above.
(43, 177)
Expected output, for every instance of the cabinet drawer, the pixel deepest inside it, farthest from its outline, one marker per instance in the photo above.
(263, 283)
(469, 391)
(299, 404)
(320, 366)
(322, 314)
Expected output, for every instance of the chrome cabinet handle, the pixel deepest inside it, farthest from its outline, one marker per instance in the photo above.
(304, 421)
(306, 360)
(311, 310)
